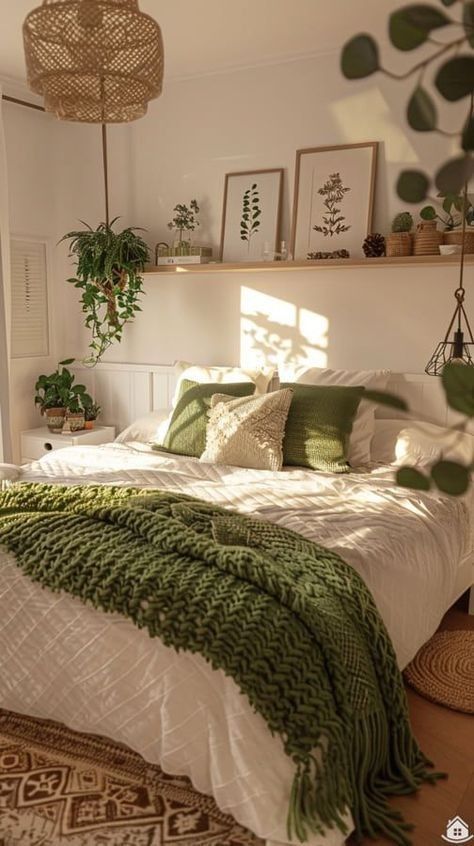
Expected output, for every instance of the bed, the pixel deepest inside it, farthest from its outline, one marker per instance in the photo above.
(98, 673)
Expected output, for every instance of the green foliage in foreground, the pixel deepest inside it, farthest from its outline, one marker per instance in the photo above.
(450, 477)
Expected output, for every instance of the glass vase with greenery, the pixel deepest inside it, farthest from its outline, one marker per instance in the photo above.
(185, 220)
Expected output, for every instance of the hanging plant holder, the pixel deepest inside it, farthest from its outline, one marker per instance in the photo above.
(460, 349)
(94, 61)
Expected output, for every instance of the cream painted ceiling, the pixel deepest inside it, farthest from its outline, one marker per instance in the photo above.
(209, 36)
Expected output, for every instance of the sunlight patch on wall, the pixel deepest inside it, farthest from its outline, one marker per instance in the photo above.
(276, 331)
(367, 113)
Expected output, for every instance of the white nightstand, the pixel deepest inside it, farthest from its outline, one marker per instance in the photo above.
(38, 442)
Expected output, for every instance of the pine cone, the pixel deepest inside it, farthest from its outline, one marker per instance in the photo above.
(374, 245)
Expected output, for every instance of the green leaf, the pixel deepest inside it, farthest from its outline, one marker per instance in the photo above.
(428, 213)
(383, 398)
(421, 111)
(467, 140)
(412, 186)
(408, 477)
(360, 57)
(409, 27)
(451, 478)
(67, 361)
(452, 176)
(458, 383)
(468, 20)
(455, 79)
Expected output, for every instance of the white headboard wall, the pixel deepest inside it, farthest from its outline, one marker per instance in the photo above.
(127, 391)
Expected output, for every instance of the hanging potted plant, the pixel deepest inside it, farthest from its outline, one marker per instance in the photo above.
(58, 396)
(109, 268)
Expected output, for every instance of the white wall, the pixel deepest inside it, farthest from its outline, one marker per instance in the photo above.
(256, 118)
(197, 131)
(54, 174)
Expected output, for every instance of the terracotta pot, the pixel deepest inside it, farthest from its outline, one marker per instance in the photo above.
(455, 237)
(55, 419)
(89, 424)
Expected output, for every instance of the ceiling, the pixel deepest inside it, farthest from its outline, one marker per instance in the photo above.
(215, 35)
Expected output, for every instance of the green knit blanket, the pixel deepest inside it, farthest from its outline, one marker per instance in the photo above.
(292, 623)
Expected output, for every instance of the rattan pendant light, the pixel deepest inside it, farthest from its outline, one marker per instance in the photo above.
(95, 61)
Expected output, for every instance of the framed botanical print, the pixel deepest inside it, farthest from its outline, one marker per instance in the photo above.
(334, 200)
(251, 215)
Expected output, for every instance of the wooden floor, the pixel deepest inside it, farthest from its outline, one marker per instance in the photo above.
(447, 738)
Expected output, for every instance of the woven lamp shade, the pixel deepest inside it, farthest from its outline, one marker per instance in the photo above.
(95, 61)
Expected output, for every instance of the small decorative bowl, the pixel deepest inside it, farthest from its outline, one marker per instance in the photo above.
(449, 249)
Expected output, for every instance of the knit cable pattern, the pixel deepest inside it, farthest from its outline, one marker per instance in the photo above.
(293, 624)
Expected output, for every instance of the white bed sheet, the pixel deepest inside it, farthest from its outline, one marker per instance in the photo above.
(95, 672)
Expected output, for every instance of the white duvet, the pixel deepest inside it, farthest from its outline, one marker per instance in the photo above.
(98, 673)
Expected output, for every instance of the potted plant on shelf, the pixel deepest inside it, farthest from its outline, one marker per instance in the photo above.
(57, 395)
(91, 413)
(109, 268)
(400, 240)
(452, 206)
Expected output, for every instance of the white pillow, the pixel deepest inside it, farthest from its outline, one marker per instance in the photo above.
(202, 374)
(382, 448)
(364, 423)
(424, 444)
(144, 429)
(419, 444)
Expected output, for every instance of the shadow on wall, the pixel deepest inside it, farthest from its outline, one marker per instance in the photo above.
(277, 332)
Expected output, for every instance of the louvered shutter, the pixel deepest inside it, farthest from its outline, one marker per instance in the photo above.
(29, 299)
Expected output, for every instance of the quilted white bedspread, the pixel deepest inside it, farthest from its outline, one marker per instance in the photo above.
(96, 672)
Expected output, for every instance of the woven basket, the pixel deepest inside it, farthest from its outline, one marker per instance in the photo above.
(456, 238)
(399, 244)
(427, 239)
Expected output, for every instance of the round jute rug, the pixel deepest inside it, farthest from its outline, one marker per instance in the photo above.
(443, 670)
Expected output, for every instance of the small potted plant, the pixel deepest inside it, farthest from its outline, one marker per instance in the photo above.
(57, 395)
(91, 413)
(400, 241)
(452, 219)
(185, 220)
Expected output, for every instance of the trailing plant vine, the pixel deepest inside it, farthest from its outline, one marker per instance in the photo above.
(333, 192)
(251, 212)
(410, 27)
(109, 267)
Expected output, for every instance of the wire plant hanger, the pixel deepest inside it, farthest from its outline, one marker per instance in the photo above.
(458, 350)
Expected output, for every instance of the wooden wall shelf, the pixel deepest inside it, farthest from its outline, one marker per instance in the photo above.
(265, 266)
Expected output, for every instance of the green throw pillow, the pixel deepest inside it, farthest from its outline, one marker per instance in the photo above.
(187, 430)
(318, 426)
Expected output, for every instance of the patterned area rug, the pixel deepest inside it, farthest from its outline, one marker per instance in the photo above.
(61, 788)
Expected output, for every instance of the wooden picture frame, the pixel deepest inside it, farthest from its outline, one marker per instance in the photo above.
(257, 196)
(327, 175)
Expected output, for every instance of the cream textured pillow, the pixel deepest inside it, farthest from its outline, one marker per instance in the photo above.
(247, 431)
